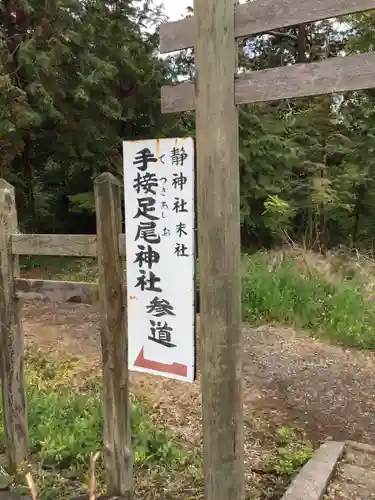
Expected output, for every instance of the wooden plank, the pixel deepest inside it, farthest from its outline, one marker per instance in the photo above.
(57, 291)
(339, 74)
(11, 339)
(179, 97)
(113, 329)
(260, 16)
(65, 245)
(219, 251)
(58, 244)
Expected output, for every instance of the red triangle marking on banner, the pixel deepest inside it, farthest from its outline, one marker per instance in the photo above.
(173, 369)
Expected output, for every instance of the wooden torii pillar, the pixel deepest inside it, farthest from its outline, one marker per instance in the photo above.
(219, 249)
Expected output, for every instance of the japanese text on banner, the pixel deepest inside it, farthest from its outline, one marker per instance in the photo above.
(159, 218)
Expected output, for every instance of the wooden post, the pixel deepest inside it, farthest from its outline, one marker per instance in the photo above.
(11, 338)
(113, 329)
(219, 249)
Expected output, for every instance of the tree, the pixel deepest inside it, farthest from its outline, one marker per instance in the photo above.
(80, 77)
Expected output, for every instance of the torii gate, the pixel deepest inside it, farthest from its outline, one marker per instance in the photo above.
(214, 95)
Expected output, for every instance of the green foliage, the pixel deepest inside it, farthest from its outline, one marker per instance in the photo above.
(283, 293)
(306, 171)
(292, 453)
(78, 77)
(66, 425)
(66, 422)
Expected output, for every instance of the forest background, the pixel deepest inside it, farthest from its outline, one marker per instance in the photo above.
(79, 77)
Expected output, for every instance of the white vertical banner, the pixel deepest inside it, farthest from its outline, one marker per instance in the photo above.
(160, 256)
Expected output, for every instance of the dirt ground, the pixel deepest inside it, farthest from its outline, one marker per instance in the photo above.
(326, 389)
(289, 379)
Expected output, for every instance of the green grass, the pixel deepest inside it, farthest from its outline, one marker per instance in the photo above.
(66, 425)
(291, 453)
(282, 293)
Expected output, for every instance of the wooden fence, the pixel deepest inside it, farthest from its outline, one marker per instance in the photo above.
(109, 247)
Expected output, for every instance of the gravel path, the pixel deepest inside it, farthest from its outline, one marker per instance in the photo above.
(327, 390)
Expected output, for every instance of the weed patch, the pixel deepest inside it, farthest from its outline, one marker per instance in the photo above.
(291, 453)
(282, 293)
(66, 425)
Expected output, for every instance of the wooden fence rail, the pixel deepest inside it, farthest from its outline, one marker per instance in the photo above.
(262, 16)
(64, 245)
(57, 291)
(338, 74)
(109, 247)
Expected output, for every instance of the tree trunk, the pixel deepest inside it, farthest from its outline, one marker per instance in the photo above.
(29, 185)
(302, 43)
(360, 195)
